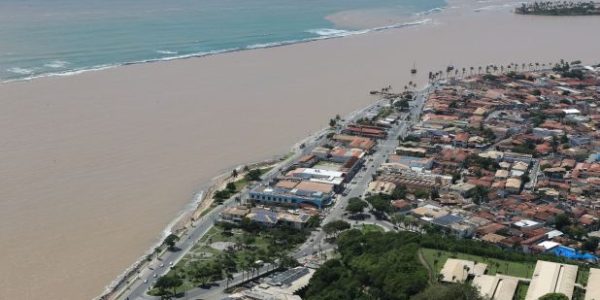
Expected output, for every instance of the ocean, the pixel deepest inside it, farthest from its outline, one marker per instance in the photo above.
(64, 37)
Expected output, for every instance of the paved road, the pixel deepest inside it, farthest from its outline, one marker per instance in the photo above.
(316, 242)
(149, 274)
(359, 184)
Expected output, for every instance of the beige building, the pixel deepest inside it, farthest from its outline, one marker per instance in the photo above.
(551, 277)
(498, 287)
(458, 270)
(381, 187)
(593, 285)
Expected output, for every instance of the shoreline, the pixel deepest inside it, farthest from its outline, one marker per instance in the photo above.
(415, 20)
(118, 153)
(199, 205)
(196, 209)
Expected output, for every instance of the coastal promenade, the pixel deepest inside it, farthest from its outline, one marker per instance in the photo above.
(316, 242)
(159, 266)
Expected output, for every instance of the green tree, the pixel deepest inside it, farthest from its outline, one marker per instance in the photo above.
(561, 221)
(167, 285)
(399, 192)
(335, 227)
(591, 244)
(381, 204)
(554, 296)
(313, 222)
(170, 241)
(253, 175)
(231, 187)
(450, 291)
(356, 205)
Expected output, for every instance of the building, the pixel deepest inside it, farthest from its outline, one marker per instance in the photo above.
(335, 178)
(498, 287)
(351, 141)
(593, 286)
(294, 193)
(234, 214)
(551, 277)
(458, 270)
(513, 185)
(381, 187)
(263, 217)
(366, 131)
(297, 221)
(281, 286)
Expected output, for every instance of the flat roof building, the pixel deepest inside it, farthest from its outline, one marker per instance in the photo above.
(294, 193)
(593, 285)
(551, 277)
(457, 270)
(498, 287)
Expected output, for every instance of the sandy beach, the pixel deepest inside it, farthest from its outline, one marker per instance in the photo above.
(94, 166)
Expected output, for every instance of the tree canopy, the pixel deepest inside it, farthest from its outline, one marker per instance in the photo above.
(449, 291)
(167, 285)
(372, 266)
(554, 296)
(356, 205)
(335, 227)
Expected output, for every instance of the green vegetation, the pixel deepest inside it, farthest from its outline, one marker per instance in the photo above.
(243, 182)
(437, 259)
(521, 292)
(167, 286)
(482, 162)
(371, 266)
(253, 175)
(226, 249)
(384, 112)
(376, 265)
(170, 241)
(333, 228)
(366, 228)
(449, 291)
(554, 296)
(557, 8)
(356, 205)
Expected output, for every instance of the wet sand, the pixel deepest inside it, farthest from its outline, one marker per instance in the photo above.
(94, 166)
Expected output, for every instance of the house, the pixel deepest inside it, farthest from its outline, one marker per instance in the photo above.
(297, 221)
(294, 193)
(263, 217)
(401, 206)
(550, 277)
(458, 270)
(381, 187)
(513, 185)
(234, 214)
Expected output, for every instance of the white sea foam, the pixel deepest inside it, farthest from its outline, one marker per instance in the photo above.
(329, 32)
(21, 71)
(167, 52)
(431, 11)
(323, 33)
(56, 64)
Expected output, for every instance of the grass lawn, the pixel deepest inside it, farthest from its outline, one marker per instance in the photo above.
(521, 291)
(366, 228)
(582, 276)
(242, 182)
(250, 247)
(518, 269)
